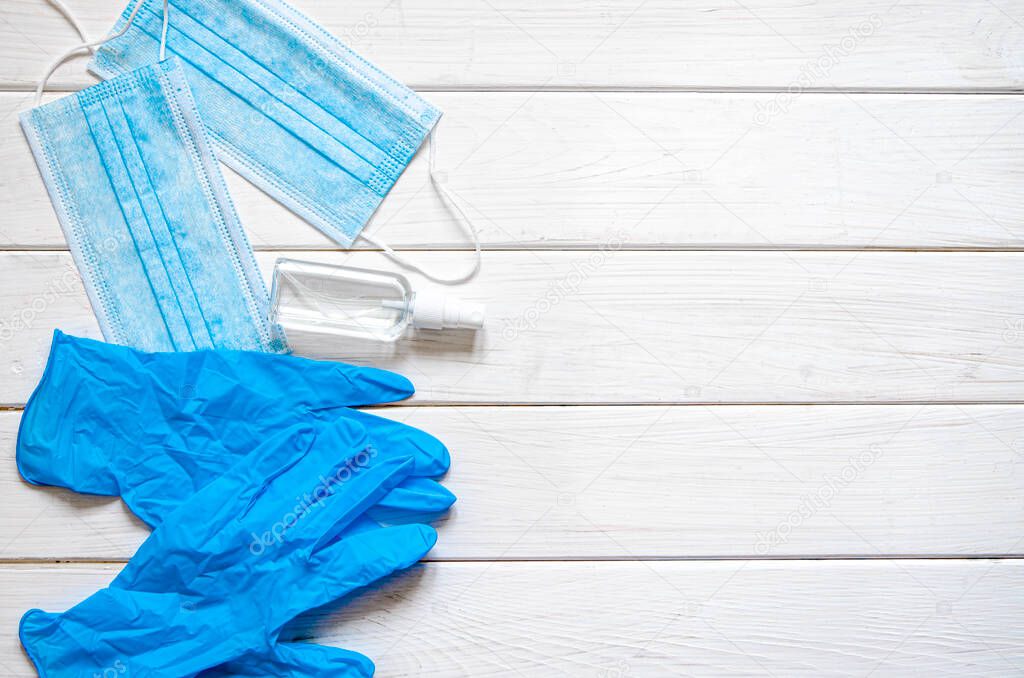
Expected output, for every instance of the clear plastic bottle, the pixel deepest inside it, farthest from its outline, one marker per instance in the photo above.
(357, 302)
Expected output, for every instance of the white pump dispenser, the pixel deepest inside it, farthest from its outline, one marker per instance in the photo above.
(435, 310)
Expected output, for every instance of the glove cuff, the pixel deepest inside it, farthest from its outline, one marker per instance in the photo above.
(37, 624)
(53, 446)
(149, 634)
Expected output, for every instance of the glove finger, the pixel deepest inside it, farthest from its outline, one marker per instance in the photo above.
(412, 500)
(242, 497)
(336, 478)
(317, 383)
(342, 498)
(353, 562)
(295, 459)
(163, 481)
(301, 488)
(290, 379)
(296, 660)
(430, 454)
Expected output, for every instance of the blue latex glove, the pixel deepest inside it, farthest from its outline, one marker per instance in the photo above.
(108, 420)
(156, 427)
(199, 593)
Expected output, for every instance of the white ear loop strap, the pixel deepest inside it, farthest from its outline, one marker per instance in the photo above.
(66, 12)
(88, 45)
(453, 206)
(163, 31)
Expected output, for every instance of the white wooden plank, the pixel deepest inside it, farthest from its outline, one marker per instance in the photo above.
(665, 171)
(625, 327)
(654, 482)
(662, 43)
(800, 618)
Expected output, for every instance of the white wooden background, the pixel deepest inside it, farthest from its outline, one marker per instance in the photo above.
(749, 399)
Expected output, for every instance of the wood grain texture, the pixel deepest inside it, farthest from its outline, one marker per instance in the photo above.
(654, 482)
(685, 442)
(652, 327)
(656, 170)
(620, 43)
(802, 618)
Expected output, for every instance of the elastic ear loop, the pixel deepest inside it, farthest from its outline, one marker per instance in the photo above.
(88, 45)
(66, 12)
(454, 207)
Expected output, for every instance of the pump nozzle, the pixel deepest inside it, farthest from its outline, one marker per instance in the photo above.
(434, 310)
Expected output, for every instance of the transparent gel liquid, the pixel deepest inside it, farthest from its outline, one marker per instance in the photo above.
(340, 300)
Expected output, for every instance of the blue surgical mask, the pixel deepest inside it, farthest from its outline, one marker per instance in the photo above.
(287, 105)
(139, 194)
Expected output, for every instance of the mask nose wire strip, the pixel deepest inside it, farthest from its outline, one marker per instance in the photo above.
(88, 45)
(453, 206)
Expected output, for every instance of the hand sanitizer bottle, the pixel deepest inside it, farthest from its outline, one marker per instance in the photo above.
(357, 302)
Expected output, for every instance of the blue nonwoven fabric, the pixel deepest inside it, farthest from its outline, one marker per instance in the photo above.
(287, 105)
(144, 208)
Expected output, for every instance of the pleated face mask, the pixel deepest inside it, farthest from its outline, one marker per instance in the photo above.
(140, 197)
(287, 105)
